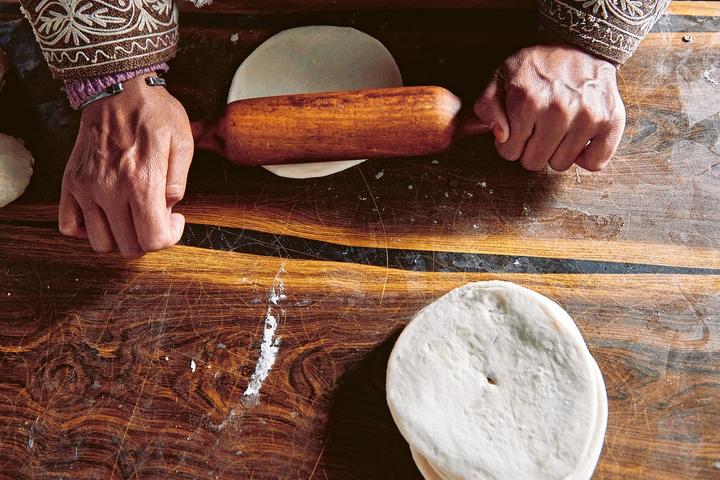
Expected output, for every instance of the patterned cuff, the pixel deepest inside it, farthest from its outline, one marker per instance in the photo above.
(609, 29)
(80, 91)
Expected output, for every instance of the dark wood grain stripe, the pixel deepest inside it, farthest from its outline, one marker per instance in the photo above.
(252, 242)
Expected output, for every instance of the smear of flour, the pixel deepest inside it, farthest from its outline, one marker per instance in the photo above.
(707, 75)
(270, 344)
(699, 97)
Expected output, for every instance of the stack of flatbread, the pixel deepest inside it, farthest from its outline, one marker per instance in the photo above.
(494, 381)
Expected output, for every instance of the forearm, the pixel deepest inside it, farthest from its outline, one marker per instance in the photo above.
(609, 29)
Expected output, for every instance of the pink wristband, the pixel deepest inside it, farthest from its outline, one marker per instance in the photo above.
(80, 91)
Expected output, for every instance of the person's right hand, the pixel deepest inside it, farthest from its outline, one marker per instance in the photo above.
(127, 171)
(554, 104)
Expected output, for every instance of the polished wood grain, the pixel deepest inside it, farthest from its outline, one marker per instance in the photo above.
(371, 124)
(96, 373)
(96, 378)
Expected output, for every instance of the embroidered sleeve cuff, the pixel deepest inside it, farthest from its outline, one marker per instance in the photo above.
(609, 29)
(93, 38)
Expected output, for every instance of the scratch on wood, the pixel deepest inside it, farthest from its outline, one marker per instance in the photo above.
(142, 388)
(132, 415)
(382, 225)
(317, 462)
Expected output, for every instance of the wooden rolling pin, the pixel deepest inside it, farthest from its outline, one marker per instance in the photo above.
(380, 123)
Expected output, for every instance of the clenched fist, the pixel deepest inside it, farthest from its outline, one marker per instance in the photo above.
(127, 171)
(556, 105)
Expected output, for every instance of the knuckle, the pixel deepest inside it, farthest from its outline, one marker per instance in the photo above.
(131, 254)
(155, 242)
(557, 106)
(140, 191)
(184, 143)
(100, 186)
(596, 166)
(586, 117)
(532, 164)
(509, 153)
(174, 193)
(101, 248)
(518, 92)
(560, 111)
(531, 104)
(68, 227)
(559, 165)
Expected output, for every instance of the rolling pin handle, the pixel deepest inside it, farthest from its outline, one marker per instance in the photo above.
(198, 129)
(206, 137)
(471, 126)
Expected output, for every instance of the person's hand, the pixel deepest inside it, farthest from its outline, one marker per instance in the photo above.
(127, 171)
(547, 102)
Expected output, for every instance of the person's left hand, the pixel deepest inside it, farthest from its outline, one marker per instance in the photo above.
(554, 104)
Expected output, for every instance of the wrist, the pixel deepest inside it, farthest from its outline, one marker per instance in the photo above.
(80, 92)
(126, 95)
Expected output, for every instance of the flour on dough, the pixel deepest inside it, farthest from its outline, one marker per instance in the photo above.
(16, 167)
(312, 60)
(494, 381)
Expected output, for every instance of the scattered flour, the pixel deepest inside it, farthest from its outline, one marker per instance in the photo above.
(707, 75)
(270, 344)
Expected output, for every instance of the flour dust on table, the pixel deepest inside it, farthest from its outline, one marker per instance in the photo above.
(494, 381)
(314, 59)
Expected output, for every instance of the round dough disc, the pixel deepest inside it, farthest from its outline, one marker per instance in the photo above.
(313, 60)
(16, 168)
(494, 381)
(585, 472)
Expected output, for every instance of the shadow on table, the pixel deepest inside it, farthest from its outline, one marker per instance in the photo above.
(468, 191)
(363, 441)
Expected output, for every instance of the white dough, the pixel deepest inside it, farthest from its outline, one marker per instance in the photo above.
(313, 60)
(16, 168)
(585, 472)
(494, 381)
(427, 470)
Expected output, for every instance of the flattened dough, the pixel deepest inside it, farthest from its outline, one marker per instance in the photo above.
(313, 60)
(494, 381)
(585, 472)
(16, 168)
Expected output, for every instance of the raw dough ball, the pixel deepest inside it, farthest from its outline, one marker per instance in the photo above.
(16, 164)
(494, 381)
(313, 60)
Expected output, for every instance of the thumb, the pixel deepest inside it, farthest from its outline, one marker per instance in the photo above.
(181, 154)
(490, 110)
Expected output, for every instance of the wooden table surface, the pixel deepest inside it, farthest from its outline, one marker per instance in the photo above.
(96, 352)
